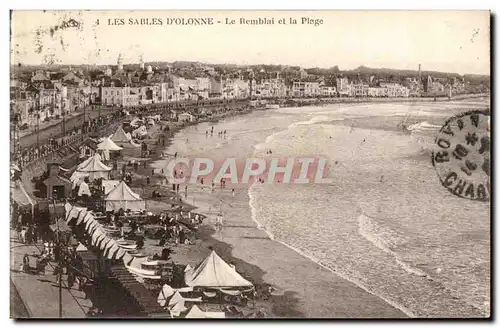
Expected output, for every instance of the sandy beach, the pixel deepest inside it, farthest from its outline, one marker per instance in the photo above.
(303, 287)
(353, 287)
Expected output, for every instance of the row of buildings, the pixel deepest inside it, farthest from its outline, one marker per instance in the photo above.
(44, 95)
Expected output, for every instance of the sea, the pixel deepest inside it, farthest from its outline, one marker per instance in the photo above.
(385, 222)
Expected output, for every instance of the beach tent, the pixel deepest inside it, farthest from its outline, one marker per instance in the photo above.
(94, 167)
(123, 197)
(164, 294)
(107, 145)
(214, 272)
(81, 248)
(77, 178)
(84, 189)
(196, 313)
(177, 309)
(120, 136)
(109, 185)
(99, 239)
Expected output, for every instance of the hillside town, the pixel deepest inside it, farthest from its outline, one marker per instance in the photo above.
(40, 95)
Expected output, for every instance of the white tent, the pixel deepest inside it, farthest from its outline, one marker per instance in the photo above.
(196, 313)
(84, 189)
(108, 144)
(123, 197)
(164, 294)
(109, 185)
(109, 247)
(77, 178)
(94, 167)
(214, 272)
(120, 137)
(81, 248)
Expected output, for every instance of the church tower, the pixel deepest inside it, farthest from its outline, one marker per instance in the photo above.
(120, 62)
(142, 63)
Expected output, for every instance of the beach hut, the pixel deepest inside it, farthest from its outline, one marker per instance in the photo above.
(214, 272)
(94, 167)
(123, 197)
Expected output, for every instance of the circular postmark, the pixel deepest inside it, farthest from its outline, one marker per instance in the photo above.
(461, 156)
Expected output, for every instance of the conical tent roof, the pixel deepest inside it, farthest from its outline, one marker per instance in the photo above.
(196, 313)
(122, 192)
(214, 272)
(84, 189)
(164, 294)
(108, 144)
(120, 135)
(93, 164)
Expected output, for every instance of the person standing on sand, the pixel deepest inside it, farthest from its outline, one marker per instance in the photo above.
(217, 222)
(232, 191)
(221, 223)
(178, 187)
(213, 186)
(201, 180)
(186, 192)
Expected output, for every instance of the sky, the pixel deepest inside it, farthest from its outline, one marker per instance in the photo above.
(447, 41)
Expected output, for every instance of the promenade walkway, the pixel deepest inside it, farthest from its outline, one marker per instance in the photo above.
(40, 293)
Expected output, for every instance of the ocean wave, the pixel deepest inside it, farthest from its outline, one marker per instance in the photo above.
(423, 127)
(344, 275)
(387, 240)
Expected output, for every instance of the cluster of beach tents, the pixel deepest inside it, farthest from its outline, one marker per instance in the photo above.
(111, 248)
(210, 276)
(118, 194)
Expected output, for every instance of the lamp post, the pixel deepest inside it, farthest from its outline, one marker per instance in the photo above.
(38, 122)
(59, 262)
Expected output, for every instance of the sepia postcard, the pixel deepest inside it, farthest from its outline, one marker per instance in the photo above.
(250, 164)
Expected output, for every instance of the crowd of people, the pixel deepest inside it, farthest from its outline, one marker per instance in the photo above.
(28, 155)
